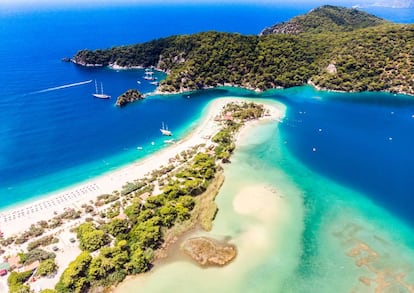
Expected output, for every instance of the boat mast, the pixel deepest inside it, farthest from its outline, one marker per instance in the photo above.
(96, 87)
(101, 88)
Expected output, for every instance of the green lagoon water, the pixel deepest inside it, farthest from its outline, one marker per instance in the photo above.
(295, 231)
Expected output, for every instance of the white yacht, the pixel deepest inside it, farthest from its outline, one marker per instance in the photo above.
(100, 95)
(164, 130)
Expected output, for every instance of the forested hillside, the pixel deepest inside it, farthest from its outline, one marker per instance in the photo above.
(326, 19)
(361, 53)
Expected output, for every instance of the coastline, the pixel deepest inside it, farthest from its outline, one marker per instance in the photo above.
(267, 207)
(345, 237)
(205, 87)
(18, 218)
(343, 234)
(115, 66)
(259, 91)
(319, 88)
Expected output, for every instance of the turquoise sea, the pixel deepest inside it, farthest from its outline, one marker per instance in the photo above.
(295, 231)
(53, 136)
(332, 184)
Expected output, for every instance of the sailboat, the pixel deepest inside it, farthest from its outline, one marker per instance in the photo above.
(149, 74)
(100, 95)
(165, 131)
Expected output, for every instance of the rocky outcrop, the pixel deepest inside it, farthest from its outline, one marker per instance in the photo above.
(331, 68)
(209, 252)
(129, 96)
(283, 28)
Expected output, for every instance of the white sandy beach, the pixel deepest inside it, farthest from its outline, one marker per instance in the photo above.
(251, 214)
(19, 218)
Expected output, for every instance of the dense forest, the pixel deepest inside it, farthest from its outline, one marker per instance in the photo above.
(326, 19)
(331, 47)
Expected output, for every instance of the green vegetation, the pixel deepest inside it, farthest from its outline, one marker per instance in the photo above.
(136, 237)
(132, 186)
(44, 241)
(129, 96)
(238, 114)
(116, 227)
(364, 52)
(34, 231)
(125, 246)
(46, 268)
(16, 282)
(90, 238)
(206, 207)
(34, 255)
(135, 226)
(381, 59)
(326, 18)
(75, 277)
(48, 291)
(114, 263)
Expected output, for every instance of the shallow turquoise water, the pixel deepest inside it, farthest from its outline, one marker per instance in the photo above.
(295, 240)
(50, 139)
(295, 231)
(56, 138)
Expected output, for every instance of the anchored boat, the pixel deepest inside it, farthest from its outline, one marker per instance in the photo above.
(100, 95)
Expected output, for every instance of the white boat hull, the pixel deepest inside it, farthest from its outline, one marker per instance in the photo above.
(166, 132)
(101, 96)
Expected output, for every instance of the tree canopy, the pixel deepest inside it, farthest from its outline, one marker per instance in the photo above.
(364, 52)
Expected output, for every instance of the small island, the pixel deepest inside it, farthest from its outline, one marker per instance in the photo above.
(129, 96)
(209, 252)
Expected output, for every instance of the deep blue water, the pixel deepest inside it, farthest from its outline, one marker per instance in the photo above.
(51, 139)
(361, 140)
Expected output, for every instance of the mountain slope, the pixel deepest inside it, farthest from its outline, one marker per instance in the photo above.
(326, 19)
(375, 58)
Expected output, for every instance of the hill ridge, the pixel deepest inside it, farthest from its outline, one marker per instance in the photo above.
(373, 58)
(326, 18)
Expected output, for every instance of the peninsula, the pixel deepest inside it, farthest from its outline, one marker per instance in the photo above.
(331, 47)
(92, 236)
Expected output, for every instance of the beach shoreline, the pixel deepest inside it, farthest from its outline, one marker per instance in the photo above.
(18, 220)
(267, 206)
(19, 217)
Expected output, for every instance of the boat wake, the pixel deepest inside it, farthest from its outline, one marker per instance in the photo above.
(62, 87)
